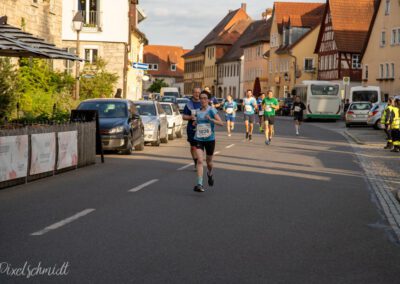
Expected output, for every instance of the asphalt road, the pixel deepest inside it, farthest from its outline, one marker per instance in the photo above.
(297, 211)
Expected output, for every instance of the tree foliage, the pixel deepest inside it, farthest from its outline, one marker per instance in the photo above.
(96, 82)
(8, 78)
(157, 85)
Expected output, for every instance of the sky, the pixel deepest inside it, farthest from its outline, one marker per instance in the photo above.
(186, 22)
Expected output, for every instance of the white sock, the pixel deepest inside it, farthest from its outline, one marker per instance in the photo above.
(297, 128)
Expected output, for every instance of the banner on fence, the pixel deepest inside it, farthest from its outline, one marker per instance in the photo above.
(43, 157)
(67, 149)
(13, 157)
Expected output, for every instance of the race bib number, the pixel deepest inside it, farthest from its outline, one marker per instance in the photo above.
(268, 108)
(260, 113)
(248, 108)
(229, 110)
(297, 109)
(203, 130)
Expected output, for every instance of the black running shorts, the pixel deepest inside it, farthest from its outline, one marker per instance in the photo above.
(269, 119)
(209, 146)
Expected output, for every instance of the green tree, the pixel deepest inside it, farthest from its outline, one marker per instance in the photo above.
(96, 82)
(157, 85)
(8, 78)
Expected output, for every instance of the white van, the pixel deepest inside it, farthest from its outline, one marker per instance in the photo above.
(170, 92)
(365, 94)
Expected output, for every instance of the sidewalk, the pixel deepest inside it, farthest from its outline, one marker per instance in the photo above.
(366, 136)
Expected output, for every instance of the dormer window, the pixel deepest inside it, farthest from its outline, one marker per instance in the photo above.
(387, 7)
(173, 67)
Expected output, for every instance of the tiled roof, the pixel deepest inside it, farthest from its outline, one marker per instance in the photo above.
(231, 35)
(164, 56)
(306, 11)
(371, 26)
(351, 21)
(259, 32)
(218, 29)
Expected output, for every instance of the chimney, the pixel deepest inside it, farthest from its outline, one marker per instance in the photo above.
(267, 14)
(244, 6)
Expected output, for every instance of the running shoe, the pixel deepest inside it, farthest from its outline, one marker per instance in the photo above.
(229, 135)
(247, 135)
(297, 133)
(267, 142)
(210, 180)
(198, 188)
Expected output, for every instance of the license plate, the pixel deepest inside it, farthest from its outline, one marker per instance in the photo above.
(361, 115)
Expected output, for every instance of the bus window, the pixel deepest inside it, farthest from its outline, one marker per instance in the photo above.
(324, 90)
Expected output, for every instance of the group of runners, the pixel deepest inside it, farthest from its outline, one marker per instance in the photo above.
(202, 116)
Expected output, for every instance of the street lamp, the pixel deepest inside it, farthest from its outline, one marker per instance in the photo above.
(78, 25)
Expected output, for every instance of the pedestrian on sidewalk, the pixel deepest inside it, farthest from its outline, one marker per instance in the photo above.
(230, 108)
(297, 112)
(250, 106)
(395, 126)
(385, 122)
(206, 118)
(260, 111)
(189, 114)
(270, 105)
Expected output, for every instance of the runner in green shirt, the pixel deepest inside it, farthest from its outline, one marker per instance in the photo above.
(270, 105)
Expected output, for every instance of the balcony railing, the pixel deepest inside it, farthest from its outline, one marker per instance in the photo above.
(92, 20)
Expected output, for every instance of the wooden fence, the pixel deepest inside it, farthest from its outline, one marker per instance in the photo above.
(86, 145)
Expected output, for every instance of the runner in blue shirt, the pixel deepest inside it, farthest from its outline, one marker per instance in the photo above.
(250, 106)
(230, 108)
(206, 118)
(188, 113)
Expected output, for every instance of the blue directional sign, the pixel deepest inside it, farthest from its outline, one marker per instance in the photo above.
(140, 66)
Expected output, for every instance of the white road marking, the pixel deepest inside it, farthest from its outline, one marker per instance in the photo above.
(230, 146)
(135, 189)
(185, 167)
(217, 153)
(63, 222)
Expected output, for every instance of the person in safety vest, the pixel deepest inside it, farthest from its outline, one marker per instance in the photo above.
(395, 125)
(385, 122)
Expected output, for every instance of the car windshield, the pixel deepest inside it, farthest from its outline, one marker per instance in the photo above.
(167, 109)
(324, 90)
(146, 109)
(365, 96)
(171, 94)
(106, 109)
(360, 106)
(168, 99)
(182, 101)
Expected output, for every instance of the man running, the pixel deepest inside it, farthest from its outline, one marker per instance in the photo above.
(260, 111)
(230, 108)
(206, 118)
(270, 105)
(249, 105)
(297, 112)
(188, 113)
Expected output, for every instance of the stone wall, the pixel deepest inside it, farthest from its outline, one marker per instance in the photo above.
(42, 19)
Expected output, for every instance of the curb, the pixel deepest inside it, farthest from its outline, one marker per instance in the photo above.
(355, 139)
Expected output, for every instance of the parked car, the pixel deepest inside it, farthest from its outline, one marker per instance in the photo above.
(175, 120)
(154, 120)
(358, 113)
(170, 91)
(121, 126)
(239, 103)
(375, 114)
(182, 102)
(168, 99)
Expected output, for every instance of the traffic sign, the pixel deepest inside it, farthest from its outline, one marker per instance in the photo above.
(140, 66)
(346, 81)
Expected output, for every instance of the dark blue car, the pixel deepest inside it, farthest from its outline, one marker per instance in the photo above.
(121, 127)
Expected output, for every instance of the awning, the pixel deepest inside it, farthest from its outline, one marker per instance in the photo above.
(16, 43)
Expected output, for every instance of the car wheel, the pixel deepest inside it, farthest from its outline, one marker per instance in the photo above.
(179, 133)
(158, 141)
(140, 146)
(165, 139)
(376, 125)
(172, 136)
(128, 149)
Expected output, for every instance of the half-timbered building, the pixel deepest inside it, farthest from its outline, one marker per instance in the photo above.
(342, 38)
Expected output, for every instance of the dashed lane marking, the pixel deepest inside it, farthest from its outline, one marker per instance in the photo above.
(230, 146)
(185, 167)
(63, 222)
(136, 189)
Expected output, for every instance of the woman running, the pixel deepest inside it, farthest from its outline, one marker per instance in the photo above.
(230, 108)
(297, 110)
(205, 120)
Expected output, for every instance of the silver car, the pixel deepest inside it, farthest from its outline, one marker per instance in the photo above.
(357, 113)
(182, 102)
(155, 122)
(175, 120)
(375, 114)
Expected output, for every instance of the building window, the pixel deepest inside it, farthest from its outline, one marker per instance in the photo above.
(387, 71)
(308, 64)
(392, 65)
(355, 61)
(393, 37)
(153, 67)
(366, 72)
(381, 71)
(383, 38)
(387, 7)
(173, 67)
(91, 55)
(68, 64)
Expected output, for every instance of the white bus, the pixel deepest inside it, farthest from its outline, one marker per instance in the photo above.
(322, 99)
